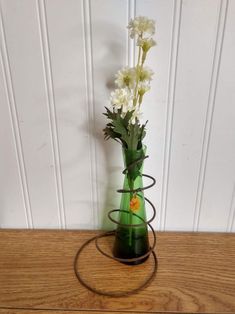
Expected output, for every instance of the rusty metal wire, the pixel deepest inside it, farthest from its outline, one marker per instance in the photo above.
(112, 233)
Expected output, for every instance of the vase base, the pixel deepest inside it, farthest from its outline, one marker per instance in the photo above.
(138, 262)
(139, 246)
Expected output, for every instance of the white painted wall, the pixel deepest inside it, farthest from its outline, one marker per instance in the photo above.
(57, 60)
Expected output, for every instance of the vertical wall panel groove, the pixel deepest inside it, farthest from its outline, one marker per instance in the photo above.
(88, 57)
(170, 108)
(130, 54)
(231, 216)
(15, 124)
(210, 109)
(51, 108)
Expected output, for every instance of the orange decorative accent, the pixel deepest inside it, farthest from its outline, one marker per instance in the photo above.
(134, 203)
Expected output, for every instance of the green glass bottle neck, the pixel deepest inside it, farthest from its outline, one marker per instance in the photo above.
(131, 157)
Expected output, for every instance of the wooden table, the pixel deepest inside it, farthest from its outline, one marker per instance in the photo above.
(196, 274)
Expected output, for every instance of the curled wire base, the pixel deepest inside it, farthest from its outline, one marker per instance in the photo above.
(106, 293)
(112, 233)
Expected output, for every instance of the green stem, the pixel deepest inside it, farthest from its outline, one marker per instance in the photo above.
(139, 54)
(139, 67)
(136, 86)
(140, 99)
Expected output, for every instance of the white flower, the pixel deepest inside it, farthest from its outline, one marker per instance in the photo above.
(143, 87)
(136, 115)
(141, 26)
(146, 43)
(145, 74)
(125, 77)
(120, 99)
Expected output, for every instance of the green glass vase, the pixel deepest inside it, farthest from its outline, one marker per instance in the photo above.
(132, 241)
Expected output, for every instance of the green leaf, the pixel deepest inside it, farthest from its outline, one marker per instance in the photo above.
(121, 130)
(134, 131)
(126, 119)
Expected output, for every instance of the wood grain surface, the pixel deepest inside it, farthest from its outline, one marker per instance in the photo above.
(196, 274)
(22, 311)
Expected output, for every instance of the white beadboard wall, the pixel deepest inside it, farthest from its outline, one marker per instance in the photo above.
(57, 64)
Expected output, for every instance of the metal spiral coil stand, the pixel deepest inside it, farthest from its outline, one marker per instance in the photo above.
(112, 233)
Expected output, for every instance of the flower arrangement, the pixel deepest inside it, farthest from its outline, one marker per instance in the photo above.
(132, 83)
(125, 127)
